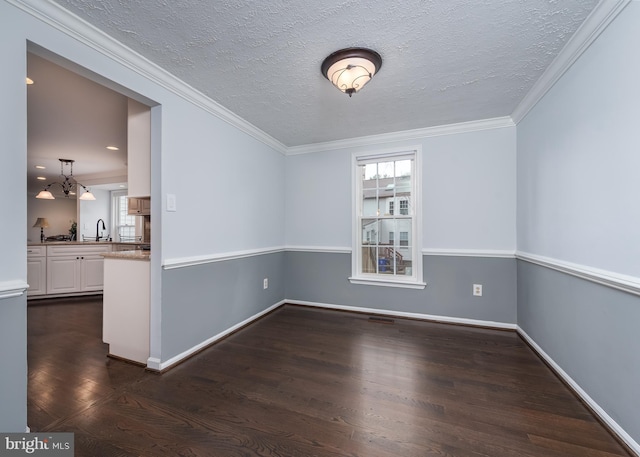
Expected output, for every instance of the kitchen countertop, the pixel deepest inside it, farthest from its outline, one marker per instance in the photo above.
(71, 243)
(127, 255)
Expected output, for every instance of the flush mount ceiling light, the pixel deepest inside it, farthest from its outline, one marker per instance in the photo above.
(350, 69)
(69, 185)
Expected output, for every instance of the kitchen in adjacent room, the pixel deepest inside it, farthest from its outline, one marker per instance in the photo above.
(88, 203)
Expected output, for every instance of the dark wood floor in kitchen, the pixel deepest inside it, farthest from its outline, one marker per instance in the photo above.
(305, 382)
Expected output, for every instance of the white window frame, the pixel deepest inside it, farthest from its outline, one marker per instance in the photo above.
(115, 210)
(414, 281)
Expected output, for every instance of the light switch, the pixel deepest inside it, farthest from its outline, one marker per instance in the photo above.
(171, 202)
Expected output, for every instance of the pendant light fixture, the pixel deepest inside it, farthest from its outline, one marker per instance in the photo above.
(350, 69)
(69, 184)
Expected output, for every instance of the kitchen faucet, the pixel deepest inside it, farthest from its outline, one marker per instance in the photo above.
(98, 229)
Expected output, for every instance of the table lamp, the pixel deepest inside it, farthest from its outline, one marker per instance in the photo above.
(43, 224)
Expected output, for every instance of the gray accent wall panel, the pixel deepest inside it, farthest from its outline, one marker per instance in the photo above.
(323, 278)
(199, 302)
(13, 357)
(591, 331)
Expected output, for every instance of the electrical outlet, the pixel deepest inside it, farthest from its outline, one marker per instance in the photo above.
(265, 283)
(477, 290)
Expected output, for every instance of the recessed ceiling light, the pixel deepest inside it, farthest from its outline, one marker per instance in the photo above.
(41, 178)
(29, 81)
(113, 148)
(40, 167)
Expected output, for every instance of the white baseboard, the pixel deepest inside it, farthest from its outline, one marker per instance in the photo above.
(155, 364)
(601, 413)
(426, 317)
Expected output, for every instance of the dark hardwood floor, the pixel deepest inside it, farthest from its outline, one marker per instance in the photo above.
(305, 382)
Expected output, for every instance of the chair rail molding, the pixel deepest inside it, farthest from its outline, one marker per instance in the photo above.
(13, 288)
(625, 283)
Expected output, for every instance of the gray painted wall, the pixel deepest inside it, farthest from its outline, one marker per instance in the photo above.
(323, 278)
(198, 302)
(13, 356)
(578, 187)
(591, 331)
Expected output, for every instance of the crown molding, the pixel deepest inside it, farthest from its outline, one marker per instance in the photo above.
(404, 135)
(68, 23)
(601, 16)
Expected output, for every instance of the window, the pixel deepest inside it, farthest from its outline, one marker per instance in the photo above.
(124, 225)
(404, 207)
(386, 243)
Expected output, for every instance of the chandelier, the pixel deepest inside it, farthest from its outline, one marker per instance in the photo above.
(350, 69)
(69, 185)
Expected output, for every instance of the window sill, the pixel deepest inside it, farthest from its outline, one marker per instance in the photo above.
(387, 283)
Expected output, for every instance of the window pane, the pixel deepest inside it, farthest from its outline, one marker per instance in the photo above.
(386, 170)
(369, 259)
(385, 217)
(370, 231)
(387, 227)
(403, 168)
(371, 205)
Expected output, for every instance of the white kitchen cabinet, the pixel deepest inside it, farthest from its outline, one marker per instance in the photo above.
(92, 273)
(75, 268)
(36, 270)
(63, 274)
(139, 149)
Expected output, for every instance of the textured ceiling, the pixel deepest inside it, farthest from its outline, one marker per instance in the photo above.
(444, 61)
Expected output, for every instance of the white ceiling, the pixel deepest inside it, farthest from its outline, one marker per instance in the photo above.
(444, 61)
(71, 117)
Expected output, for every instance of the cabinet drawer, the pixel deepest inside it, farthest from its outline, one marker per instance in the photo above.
(36, 251)
(78, 250)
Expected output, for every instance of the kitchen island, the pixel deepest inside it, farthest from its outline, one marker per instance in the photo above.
(126, 303)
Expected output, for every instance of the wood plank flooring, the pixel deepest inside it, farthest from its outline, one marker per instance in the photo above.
(305, 382)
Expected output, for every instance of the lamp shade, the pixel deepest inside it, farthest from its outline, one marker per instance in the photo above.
(350, 69)
(45, 194)
(87, 196)
(41, 222)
